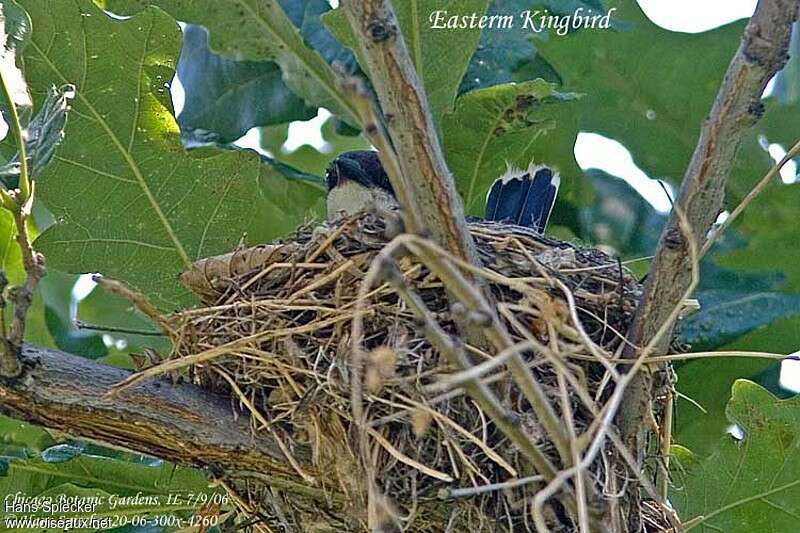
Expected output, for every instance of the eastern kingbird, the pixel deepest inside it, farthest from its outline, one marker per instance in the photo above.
(357, 182)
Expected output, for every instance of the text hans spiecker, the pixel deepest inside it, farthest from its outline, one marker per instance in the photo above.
(535, 21)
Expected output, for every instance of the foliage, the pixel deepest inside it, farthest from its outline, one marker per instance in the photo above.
(225, 98)
(509, 124)
(33, 464)
(429, 48)
(747, 484)
(146, 209)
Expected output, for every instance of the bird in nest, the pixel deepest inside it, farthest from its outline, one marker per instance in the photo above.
(357, 182)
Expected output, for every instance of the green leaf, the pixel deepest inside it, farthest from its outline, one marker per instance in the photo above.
(748, 485)
(770, 224)
(708, 382)
(109, 508)
(253, 30)
(440, 55)
(225, 98)
(16, 436)
(503, 52)
(726, 315)
(509, 124)
(32, 476)
(129, 201)
(643, 86)
(42, 136)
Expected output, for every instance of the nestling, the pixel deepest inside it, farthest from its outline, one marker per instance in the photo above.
(357, 182)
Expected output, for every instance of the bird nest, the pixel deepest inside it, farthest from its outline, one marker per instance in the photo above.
(339, 365)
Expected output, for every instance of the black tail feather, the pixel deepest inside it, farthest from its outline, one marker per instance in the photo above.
(525, 198)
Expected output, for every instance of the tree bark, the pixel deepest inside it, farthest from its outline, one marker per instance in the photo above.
(177, 422)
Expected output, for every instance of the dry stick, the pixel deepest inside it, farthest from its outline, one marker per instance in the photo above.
(689, 356)
(762, 52)
(139, 301)
(447, 494)
(665, 443)
(589, 403)
(477, 390)
(760, 186)
(439, 338)
(265, 423)
(432, 255)
(483, 395)
(580, 479)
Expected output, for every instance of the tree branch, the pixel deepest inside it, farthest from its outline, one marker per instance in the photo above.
(179, 423)
(737, 107)
(410, 126)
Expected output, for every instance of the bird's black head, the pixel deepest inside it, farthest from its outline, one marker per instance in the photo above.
(361, 166)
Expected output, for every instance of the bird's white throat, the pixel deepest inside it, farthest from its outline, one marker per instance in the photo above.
(351, 197)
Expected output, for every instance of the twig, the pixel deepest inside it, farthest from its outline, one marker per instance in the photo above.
(16, 129)
(580, 479)
(354, 89)
(80, 324)
(448, 494)
(139, 301)
(475, 388)
(473, 300)
(33, 264)
(793, 152)
(616, 400)
(19, 202)
(665, 443)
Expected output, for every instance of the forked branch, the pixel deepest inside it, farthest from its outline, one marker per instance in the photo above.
(737, 107)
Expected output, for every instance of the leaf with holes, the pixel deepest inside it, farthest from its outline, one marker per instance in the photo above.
(510, 123)
(748, 485)
(129, 201)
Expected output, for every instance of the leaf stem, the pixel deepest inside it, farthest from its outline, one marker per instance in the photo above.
(16, 128)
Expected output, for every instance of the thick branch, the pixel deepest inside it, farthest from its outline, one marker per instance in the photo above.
(762, 52)
(180, 423)
(410, 126)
